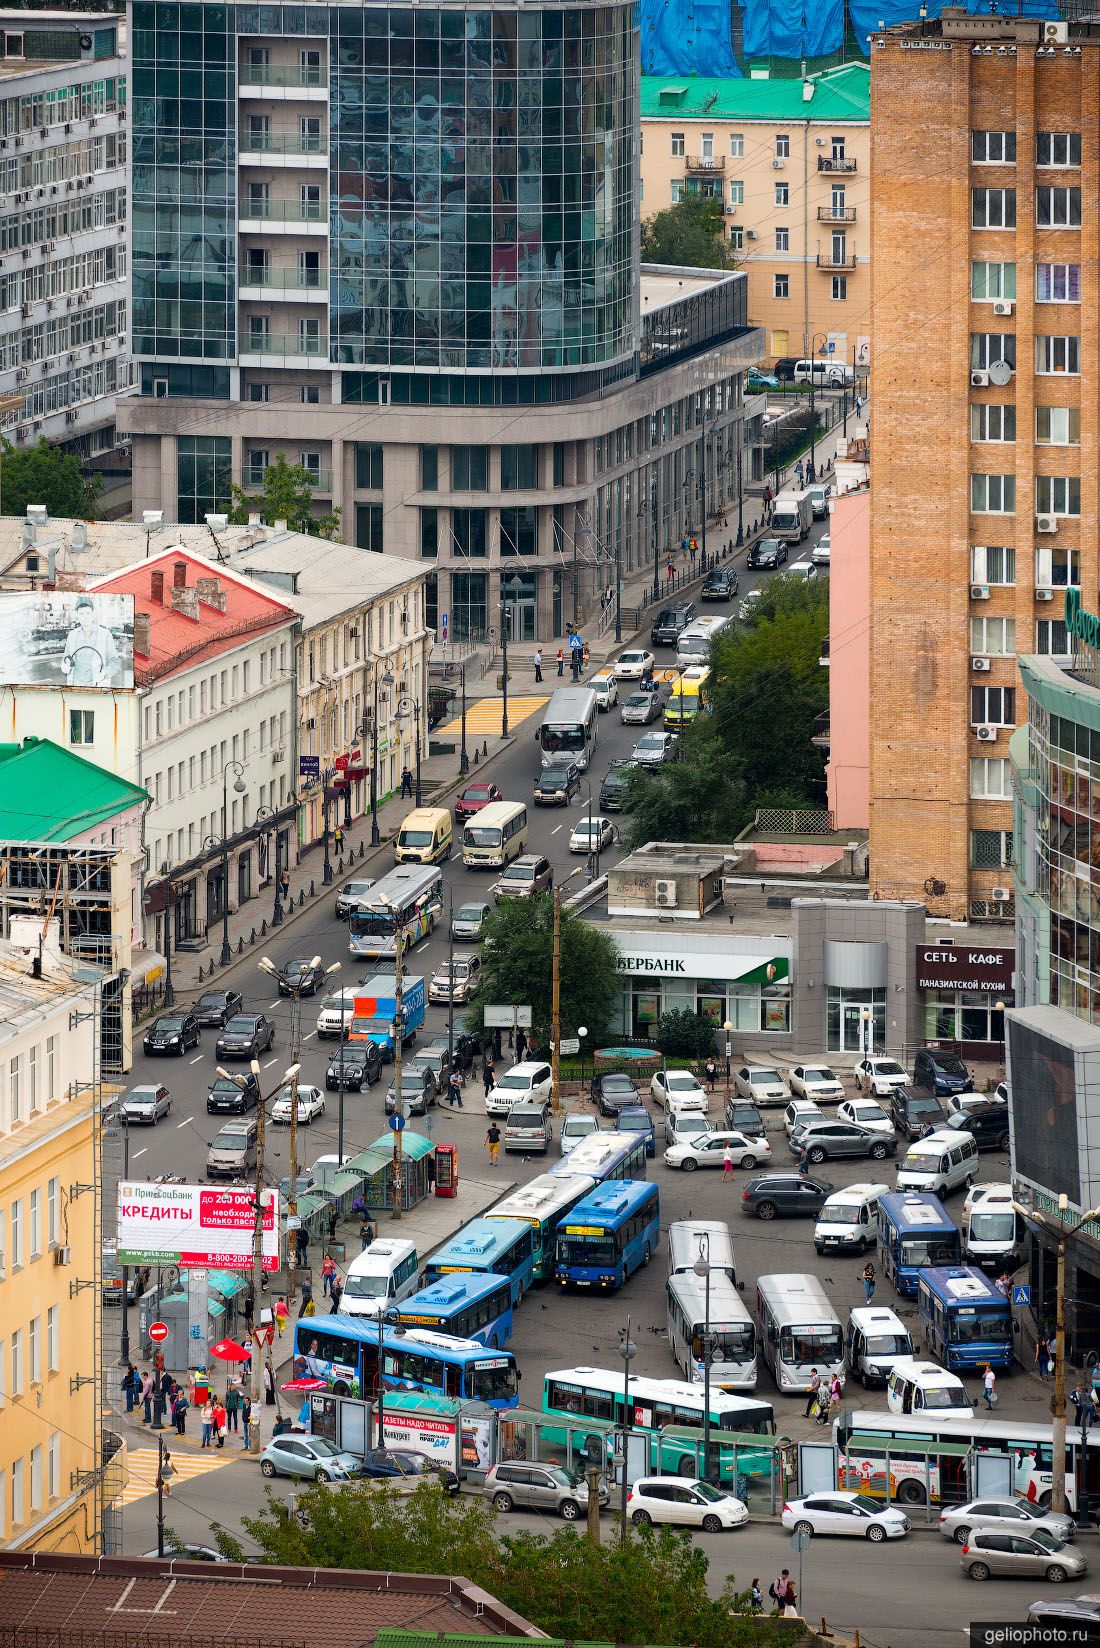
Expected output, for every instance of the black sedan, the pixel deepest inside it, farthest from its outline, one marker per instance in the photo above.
(215, 1008)
(784, 1194)
(402, 1465)
(720, 584)
(246, 1036)
(355, 1064)
(172, 1033)
(300, 977)
(743, 1117)
(612, 1092)
(556, 785)
(232, 1097)
(767, 553)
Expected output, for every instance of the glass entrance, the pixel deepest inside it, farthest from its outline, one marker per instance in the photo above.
(518, 591)
(846, 1033)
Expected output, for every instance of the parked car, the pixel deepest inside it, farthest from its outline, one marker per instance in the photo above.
(678, 1127)
(937, 1071)
(215, 1008)
(147, 1103)
(766, 554)
(633, 664)
(843, 1512)
(798, 1112)
(522, 1084)
(463, 1049)
(403, 1467)
(743, 1117)
(573, 1129)
(313, 1457)
(820, 554)
(419, 1091)
(298, 976)
(1081, 1611)
(354, 1065)
(720, 584)
(865, 1113)
(615, 784)
(636, 1119)
(681, 1083)
(820, 493)
(246, 1037)
(815, 1081)
(613, 1091)
(351, 894)
(989, 1126)
(590, 835)
(1006, 1515)
(528, 1485)
(556, 785)
(640, 708)
(670, 623)
(784, 1194)
(685, 1502)
(761, 1083)
(709, 1150)
(756, 381)
(468, 922)
(961, 1104)
(880, 1077)
(913, 1113)
(784, 368)
(233, 1095)
(828, 1138)
(474, 797)
(526, 875)
(311, 1104)
(655, 749)
(172, 1033)
(456, 980)
(528, 1127)
(1021, 1556)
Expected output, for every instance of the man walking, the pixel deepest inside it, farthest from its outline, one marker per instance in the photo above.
(521, 1045)
(813, 1393)
(989, 1387)
(868, 1278)
(538, 664)
(798, 471)
(406, 782)
(780, 1589)
(492, 1140)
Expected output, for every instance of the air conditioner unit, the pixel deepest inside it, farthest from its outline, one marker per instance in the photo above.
(1003, 306)
(980, 665)
(1044, 595)
(1001, 895)
(1056, 33)
(731, 211)
(750, 234)
(278, 755)
(62, 1255)
(666, 894)
(979, 592)
(979, 380)
(779, 165)
(1046, 523)
(70, 417)
(987, 735)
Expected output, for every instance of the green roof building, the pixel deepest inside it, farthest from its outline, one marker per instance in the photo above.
(49, 794)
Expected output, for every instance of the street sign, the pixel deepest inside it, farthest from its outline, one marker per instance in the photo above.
(309, 767)
(800, 1539)
(575, 643)
(1021, 1296)
(444, 626)
(507, 1018)
(158, 1332)
(293, 1222)
(396, 1123)
(570, 1044)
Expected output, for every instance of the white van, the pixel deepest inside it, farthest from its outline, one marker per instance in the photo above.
(828, 370)
(993, 1232)
(875, 1343)
(384, 1272)
(847, 1221)
(942, 1161)
(925, 1387)
(687, 1236)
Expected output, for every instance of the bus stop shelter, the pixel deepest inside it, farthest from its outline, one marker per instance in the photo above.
(758, 1468)
(375, 1166)
(913, 1473)
(522, 1436)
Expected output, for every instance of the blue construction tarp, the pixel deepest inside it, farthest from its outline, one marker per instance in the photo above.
(687, 37)
(792, 28)
(866, 15)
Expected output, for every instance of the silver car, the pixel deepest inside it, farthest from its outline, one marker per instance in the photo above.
(1007, 1516)
(468, 924)
(349, 896)
(690, 1125)
(653, 749)
(1035, 1555)
(541, 1487)
(528, 1127)
(313, 1457)
(147, 1103)
(640, 709)
(573, 1130)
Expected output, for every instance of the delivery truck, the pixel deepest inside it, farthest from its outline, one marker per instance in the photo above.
(374, 1008)
(792, 517)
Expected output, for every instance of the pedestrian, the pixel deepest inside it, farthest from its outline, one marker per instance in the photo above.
(454, 1089)
(756, 1597)
(561, 661)
(280, 1315)
(521, 1045)
(575, 662)
(812, 1394)
(1095, 1382)
(780, 1589)
(179, 1413)
(790, 1607)
(492, 1140)
(1052, 1351)
(586, 655)
(232, 1406)
(207, 1417)
(221, 1423)
(336, 1295)
(406, 782)
(246, 1424)
(711, 1073)
(798, 471)
(538, 663)
(301, 1246)
(1004, 1283)
(269, 1383)
(989, 1387)
(126, 1386)
(333, 1221)
(165, 1471)
(1042, 1356)
(803, 1163)
(284, 884)
(727, 1163)
(868, 1278)
(670, 570)
(246, 1365)
(147, 1389)
(836, 1393)
(488, 1074)
(859, 403)
(328, 1274)
(366, 1235)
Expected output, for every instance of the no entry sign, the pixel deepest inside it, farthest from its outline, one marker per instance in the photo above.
(158, 1332)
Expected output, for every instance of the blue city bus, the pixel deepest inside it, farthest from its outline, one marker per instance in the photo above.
(914, 1231)
(542, 1203)
(603, 1156)
(465, 1307)
(343, 1351)
(505, 1247)
(608, 1235)
(966, 1318)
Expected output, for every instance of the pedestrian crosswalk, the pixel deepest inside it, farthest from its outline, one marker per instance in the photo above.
(141, 1464)
(483, 719)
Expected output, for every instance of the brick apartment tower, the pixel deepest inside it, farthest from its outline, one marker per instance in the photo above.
(984, 503)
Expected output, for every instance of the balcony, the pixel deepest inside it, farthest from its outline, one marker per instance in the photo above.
(284, 75)
(820, 733)
(275, 279)
(823, 654)
(704, 166)
(283, 343)
(833, 264)
(836, 214)
(319, 479)
(284, 211)
(836, 165)
(283, 143)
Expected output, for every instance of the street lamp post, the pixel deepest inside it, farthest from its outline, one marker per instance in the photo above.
(708, 432)
(124, 1342)
(169, 991)
(740, 486)
(701, 1268)
(386, 1319)
(653, 529)
(463, 758)
(403, 715)
(327, 877)
(555, 990)
(261, 1199)
(728, 1029)
(627, 1350)
(387, 682)
(265, 815)
(510, 588)
(824, 336)
(237, 767)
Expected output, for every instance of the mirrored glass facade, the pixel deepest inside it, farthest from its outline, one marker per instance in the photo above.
(1065, 767)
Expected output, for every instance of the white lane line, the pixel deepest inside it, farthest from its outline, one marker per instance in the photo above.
(555, 830)
(271, 1006)
(196, 1060)
(187, 1123)
(310, 1037)
(138, 1153)
(269, 1063)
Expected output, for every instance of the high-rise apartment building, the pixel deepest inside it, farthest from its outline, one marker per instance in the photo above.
(62, 227)
(399, 246)
(985, 157)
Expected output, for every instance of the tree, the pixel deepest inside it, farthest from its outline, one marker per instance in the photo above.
(517, 962)
(684, 1034)
(688, 235)
(43, 474)
(287, 496)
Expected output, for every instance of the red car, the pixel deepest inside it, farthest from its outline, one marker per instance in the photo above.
(474, 797)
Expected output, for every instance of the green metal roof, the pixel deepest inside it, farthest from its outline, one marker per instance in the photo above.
(842, 94)
(413, 1145)
(50, 794)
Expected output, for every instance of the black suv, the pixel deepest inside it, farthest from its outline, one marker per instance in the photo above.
(784, 1193)
(743, 1117)
(670, 624)
(784, 368)
(228, 1096)
(988, 1124)
(172, 1033)
(246, 1036)
(719, 585)
(215, 1008)
(615, 785)
(937, 1071)
(355, 1064)
(913, 1112)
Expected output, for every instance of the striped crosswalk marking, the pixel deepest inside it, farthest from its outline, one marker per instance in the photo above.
(141, 1465)
(485, 716)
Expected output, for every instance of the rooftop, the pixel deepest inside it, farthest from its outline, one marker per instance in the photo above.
(835, 95)
(321, 579)
(47, 793)
(25, 996)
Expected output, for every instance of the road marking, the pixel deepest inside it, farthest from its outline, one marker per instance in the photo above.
(273, 1004)
(555, 830)
(138, 1153)
(196, 1060)
(310, 1037)
(187, 1123)
(141, 1469)
(269, 1063)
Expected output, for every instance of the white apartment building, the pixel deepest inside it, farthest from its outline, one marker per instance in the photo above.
(63, 213)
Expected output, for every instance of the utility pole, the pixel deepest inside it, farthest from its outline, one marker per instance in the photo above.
(257, 1259)
(555, 1004)
(398, 1033)
(160, 1496)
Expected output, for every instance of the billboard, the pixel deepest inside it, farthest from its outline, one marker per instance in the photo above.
(965, 967)
(67, 639)
(207, 1225)
(1044, 1110)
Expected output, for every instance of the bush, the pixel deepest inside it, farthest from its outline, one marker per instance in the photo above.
(684, 1034)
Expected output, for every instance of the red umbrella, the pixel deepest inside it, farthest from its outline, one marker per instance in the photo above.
(304, 1385)
(228, 1350)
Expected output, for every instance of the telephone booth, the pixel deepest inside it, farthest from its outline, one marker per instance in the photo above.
(446, 1170)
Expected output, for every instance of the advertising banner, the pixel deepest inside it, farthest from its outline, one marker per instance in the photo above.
(67, 639)
(186, 1225)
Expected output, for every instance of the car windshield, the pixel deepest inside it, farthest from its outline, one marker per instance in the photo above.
(980, 1324)
(634, 1124)
(554, 775)
(887, 1067)
(519, 872)
(519, 1084)
(169, 1024)
(415, 838)
(652, 741)
(946, 1396)
(818, 1073)
(524, 1118)
(1043, 1537)
(216, 999)
(866, 1113)
(689, 1126)
(323, 1447)
(481, 835)
(810, 1347)
(866, 1503)
(366, 1287)
(469, 912)
(950, 1065)
(637, 700)
(229, 1139)
(240, 1027)
(477, 793)
(924, 1105)
(617, 1084)
(632, 658)
(587, 1250)
(888, 1344)
(920, 1251)
(226, 1084)
(681, 1078)
(705, 1491)
(762, 1078)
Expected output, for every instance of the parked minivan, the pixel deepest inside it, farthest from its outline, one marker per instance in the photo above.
(847, 1221)
(937, 1071)
(924, 1387)
(232, 1153)
(425, 836)
(384, 1272)
(941, 1161)
(827, 371)
(876, 1340)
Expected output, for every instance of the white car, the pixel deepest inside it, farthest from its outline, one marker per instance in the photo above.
(761, 1083)
(527, 1083)
(804, 570)
(880, 1077)
(685, 1501)
(961, 1104)
(679, 1082)
(865, 1113)
(748, 604)
(799, 1112)
(606, 689)
(709, 1149)
(977, 1193)
(337, 1012)
(591, 835)
(573, 1130)
(311, 1104)
(632, 664)
(840, 1511)
(820, 553)
(679, 1127)
(814, 1081)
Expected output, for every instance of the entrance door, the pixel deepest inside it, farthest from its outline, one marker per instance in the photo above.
(851, 1029)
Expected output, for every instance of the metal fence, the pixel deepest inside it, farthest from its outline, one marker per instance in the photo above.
(795, 820)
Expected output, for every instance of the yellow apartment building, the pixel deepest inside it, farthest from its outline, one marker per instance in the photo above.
(790, 162)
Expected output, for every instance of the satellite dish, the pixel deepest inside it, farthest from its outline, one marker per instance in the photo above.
(999, 373)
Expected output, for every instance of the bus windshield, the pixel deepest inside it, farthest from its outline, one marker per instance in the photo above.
(373, 921)
(476, 836)
(562, 739)
(732, 1344)
(979, 1323)
(926, 1251)
(993, 1227)
(810, 1347)
(587, 1250)
(888, 1344)
(492, 1381)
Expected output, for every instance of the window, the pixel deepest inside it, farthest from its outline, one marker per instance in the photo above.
(368, 466)
(17, 1362)
(34, 1223)
(993, 706)
(993, 564)
(992, 423)
(368, 527)
(993, 208)
(987, 347)
(309, 394)
(781, 286)
(51, 1069)
(989, 778)
(677, 143)
(32, 1074)
(706, 145)
(782, 240)
(519, 467)
(993, 637)
(1051, 637)
(17, 1509)
(53, 1465)
(1057, 355)
(429, 533)
(53, 1352)
(1058, 208)
(259, 391)
(737, 191)
(782, 146)
(993, 494)
(992, 281)
(990, 849)
(429, 469)
(737, 144)
(737, 238)
(469, 468)
(468, 532)
(782, 194)
(1058, 149)
(1057, 283)
(993, 148)
(676, 191)
(1057, 567)
(1057, 495)
(840, 288)
(1057, 426)
(82, 727)
(15, 1072)
(34, 1350)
